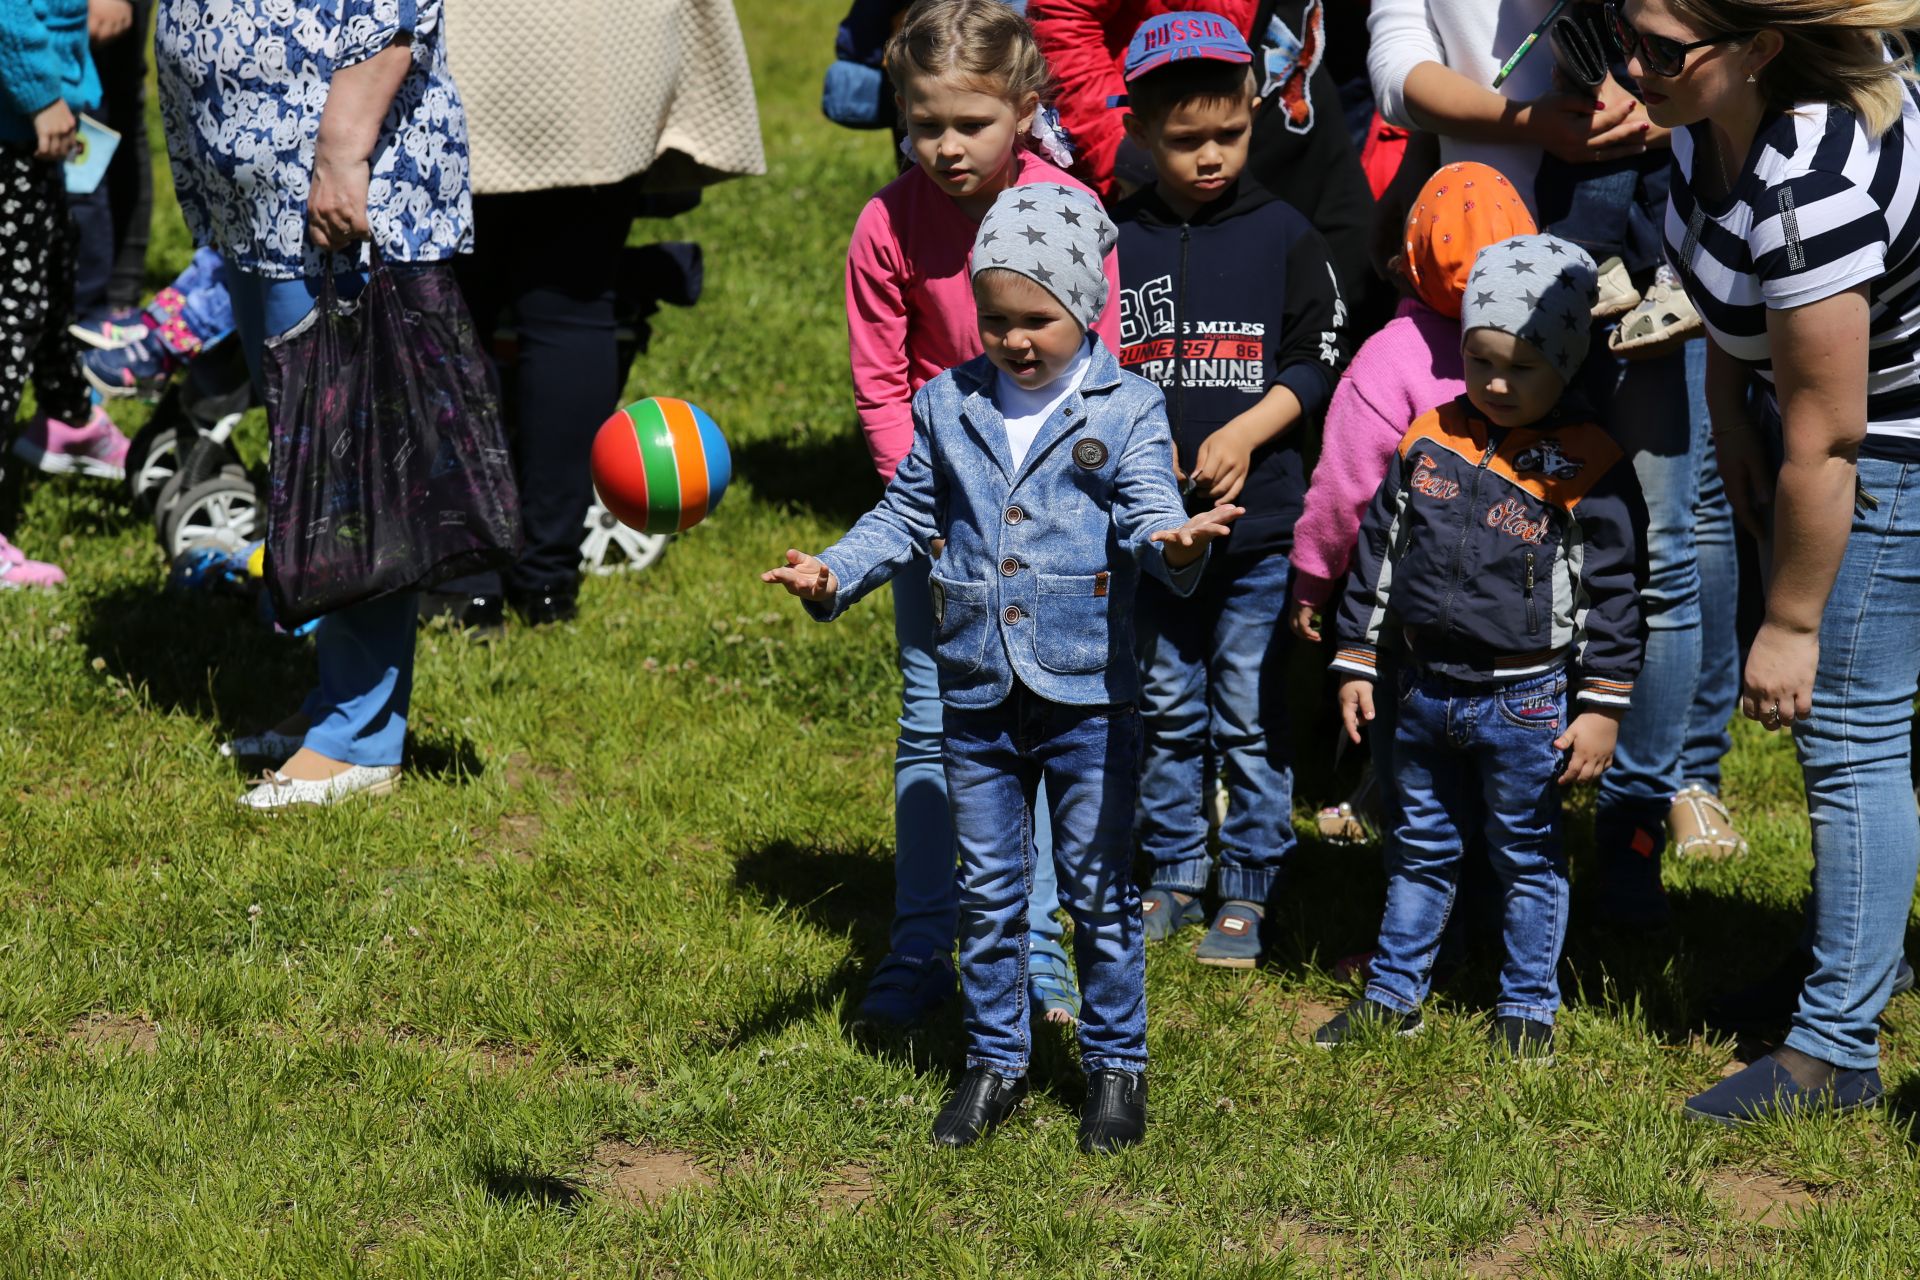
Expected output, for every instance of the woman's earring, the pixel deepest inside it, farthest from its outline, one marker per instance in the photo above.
(1750, 79)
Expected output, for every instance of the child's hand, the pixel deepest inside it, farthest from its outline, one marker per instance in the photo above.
(804, 576)
(1588, 743)
(1356, 704)
(1222, 464)
(1185, 544)
(1300, 617)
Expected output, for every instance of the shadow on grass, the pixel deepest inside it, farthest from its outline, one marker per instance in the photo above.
(211, 657)
(519, 1188)
(831, 476)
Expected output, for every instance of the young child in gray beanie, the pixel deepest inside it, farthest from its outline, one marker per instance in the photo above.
(1499, 572)
(1047, 473)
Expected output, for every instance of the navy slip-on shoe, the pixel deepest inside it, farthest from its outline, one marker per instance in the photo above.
(1232, 941)
(1163, 914)
(1765, 1089)
(905, 989)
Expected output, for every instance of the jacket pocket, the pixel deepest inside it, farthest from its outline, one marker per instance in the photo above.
(959, 623)
(1070, 624)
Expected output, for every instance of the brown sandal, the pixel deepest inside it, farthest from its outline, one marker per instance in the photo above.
(1701, 826)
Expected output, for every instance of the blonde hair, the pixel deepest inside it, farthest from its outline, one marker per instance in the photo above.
(979, 40)
(1833, 51)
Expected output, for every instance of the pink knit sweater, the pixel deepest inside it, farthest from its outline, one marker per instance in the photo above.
(910, 300)
(1410, 367)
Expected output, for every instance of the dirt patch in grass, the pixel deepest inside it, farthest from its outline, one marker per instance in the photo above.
(847, 1188)
(520, 768)
(1758, 1198)
(1511, 1257)
(639, 1175)
(512, 839)
(1305, 1239)
(115, 1031)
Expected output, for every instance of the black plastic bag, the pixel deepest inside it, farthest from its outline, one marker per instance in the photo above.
(390, 468)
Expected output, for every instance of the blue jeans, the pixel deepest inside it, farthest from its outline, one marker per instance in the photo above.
(1854, 755)
(1589, 204)
(358, 712)
(926, 894)
(996, 760)
(1473, 752)
(1708, 738)
(1650, 420)
(1213, 670)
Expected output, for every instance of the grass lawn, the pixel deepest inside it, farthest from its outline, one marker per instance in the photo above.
(575, 1001)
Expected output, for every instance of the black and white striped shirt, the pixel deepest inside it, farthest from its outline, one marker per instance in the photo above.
(1821, 208)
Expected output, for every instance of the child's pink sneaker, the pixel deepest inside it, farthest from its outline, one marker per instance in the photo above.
(18, 571)
(97, 449)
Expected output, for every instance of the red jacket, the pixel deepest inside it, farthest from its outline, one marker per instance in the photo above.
(1085, 41)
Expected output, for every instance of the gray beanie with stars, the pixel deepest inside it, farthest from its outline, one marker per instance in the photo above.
(1056, 237)
(1541, 289)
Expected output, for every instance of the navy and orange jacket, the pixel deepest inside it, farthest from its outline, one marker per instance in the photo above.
(1497, 554)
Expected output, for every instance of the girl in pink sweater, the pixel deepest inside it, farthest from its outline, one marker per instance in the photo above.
(1407, 369)
(969, 82)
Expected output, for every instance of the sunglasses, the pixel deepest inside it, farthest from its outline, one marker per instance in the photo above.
(1660, 55)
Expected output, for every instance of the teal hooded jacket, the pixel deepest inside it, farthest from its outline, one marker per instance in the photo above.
(44, 59)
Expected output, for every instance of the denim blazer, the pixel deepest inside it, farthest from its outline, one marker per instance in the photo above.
(1042, 561)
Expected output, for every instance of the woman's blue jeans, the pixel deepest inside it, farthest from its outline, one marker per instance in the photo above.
(1688, 578)
(926, 894)
(1854, 754)
(358, 712)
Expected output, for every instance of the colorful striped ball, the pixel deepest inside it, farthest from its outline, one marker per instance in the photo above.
(660, 465)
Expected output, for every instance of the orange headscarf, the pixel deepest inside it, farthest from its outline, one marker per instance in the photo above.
(1462, 209)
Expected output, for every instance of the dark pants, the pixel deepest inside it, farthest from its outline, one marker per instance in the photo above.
(551, 258)
(114, 219)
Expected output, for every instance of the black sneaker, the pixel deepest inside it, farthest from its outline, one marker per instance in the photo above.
(1361, 1018)
(1523, 1039)
(483, 618)
(1116, 1112)
(980, 1105)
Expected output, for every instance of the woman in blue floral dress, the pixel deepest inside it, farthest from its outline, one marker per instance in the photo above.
(299, 129)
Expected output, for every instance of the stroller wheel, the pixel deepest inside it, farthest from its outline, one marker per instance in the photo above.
(223, 513)
(611, 547)
(152, 460)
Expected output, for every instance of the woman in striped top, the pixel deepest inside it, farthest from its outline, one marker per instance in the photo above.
(1796, 159)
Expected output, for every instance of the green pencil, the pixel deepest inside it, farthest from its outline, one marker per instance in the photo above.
(1526, 46)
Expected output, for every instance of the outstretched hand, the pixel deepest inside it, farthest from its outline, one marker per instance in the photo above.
(1185, 544)
(804, 576)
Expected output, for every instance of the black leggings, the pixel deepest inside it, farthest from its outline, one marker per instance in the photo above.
(36, 290)
(551, 257)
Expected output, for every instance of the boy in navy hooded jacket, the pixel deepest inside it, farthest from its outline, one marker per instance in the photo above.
(1231, 305)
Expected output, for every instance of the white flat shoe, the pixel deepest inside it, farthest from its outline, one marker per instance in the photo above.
(274, 790)
(263, 746)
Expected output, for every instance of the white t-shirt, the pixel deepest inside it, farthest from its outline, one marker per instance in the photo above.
(1472, 37)
(1026, 411)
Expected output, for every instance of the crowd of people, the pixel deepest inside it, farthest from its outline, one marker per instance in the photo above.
(1619, 276)
(1457, 342)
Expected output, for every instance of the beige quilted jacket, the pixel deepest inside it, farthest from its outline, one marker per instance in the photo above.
(577, 93)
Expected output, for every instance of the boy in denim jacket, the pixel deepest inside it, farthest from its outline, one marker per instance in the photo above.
(1046, 472)
(1505, 554)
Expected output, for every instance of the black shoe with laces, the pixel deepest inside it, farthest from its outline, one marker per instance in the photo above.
(1361, 1017)
(980, 1105)
(1116, 1112)
(482, 617)
(1523, 1039)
